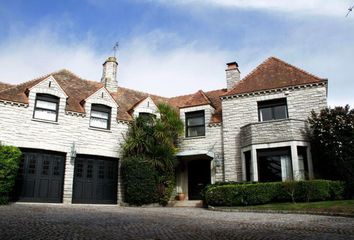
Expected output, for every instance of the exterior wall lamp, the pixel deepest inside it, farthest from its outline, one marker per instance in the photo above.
(217, 159)
(73, 152)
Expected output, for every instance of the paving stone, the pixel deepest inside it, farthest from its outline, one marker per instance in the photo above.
(45, 221)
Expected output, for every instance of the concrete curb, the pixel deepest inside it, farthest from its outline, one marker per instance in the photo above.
(230, 209)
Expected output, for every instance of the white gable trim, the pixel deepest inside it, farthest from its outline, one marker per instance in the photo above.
(151, 108)
(52, 79)
(106, 91)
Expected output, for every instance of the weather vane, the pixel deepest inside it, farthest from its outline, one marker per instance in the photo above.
(349, 10)
(115, 48)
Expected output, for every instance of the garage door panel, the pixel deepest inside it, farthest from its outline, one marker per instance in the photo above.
(28, 188)
(41, 176)
(43, 188)
(55, 189)
(95, 180)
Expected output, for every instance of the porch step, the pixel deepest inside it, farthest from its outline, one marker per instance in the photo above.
(186, 203)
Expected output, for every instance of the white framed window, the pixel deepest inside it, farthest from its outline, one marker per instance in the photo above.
(195, 124)
(46, 107)
(100, 116)
(272, 109)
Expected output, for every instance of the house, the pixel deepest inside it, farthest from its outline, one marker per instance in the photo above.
(70, 131)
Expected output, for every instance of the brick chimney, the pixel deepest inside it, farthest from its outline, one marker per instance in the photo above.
(232, 75)
(109, 75)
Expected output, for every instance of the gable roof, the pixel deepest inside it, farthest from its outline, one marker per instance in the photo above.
(201, 98)
(128, 98)
(273, 73)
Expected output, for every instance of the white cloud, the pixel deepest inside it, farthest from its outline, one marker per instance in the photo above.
(313, 7)
(182, 69)
(164, 64)
(27, 56)
(143, 65)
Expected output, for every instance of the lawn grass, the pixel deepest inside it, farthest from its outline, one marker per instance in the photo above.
(339, 207)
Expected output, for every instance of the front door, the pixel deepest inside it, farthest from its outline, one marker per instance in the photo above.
(95, 180)
(198, 178)
(40, 177)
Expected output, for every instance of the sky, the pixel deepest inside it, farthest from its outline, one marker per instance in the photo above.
(177, 47)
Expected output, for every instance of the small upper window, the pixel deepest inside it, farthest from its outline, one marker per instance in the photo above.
(272, 109)
(195, 124)
(146, 115)
(46, 107)
(100, 116)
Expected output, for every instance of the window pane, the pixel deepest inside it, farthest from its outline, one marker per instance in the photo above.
(279, 112)
(46, 105)
(266, 114)
(196, 131)
(45, 115)
(195, 121)
(286, 170)
(98, 114)
(99, 123)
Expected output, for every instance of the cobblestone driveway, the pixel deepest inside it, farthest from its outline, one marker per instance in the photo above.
(39, 221)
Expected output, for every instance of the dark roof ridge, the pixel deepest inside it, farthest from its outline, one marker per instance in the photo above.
(205, 96)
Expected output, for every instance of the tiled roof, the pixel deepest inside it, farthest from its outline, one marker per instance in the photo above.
(128, 98)
(4, 86)
(273, 73)
(201, 98)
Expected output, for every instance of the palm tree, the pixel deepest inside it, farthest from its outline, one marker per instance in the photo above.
(154, 141)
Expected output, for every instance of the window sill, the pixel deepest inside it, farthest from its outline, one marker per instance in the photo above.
(100, 129)
(44, 121)
(192, 138)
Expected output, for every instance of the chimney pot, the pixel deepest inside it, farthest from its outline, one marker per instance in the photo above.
(232, 65)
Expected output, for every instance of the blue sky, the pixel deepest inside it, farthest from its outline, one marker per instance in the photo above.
(177, 47)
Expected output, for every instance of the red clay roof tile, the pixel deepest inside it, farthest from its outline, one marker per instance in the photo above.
(273, 73)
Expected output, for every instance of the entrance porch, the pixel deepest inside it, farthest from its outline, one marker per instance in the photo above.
(193, 173)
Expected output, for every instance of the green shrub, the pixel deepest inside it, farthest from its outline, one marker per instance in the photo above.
(315, 190)
(9, 163)
(139, 181)
(337, 189)
(261, 193)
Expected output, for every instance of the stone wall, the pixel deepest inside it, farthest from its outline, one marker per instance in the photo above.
(19, 128)
(212, 141)
(273, 131)
(241, 110)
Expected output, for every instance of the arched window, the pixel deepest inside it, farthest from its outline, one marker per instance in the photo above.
(100, 116)
(46, 107)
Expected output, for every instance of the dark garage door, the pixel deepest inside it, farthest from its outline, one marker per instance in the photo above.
(40, 177)
(95, 180)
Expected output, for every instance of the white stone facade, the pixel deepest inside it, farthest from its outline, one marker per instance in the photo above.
(19, 128)
(239, 111)
(224, 143)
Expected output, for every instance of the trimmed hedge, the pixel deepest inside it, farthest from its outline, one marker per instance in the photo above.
(139, 181)
(9, 163)
(243, 194)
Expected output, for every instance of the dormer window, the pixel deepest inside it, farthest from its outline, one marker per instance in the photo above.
(272, 109)
(100, 116)
(46, 107)
(195, 124)
(146, 115)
